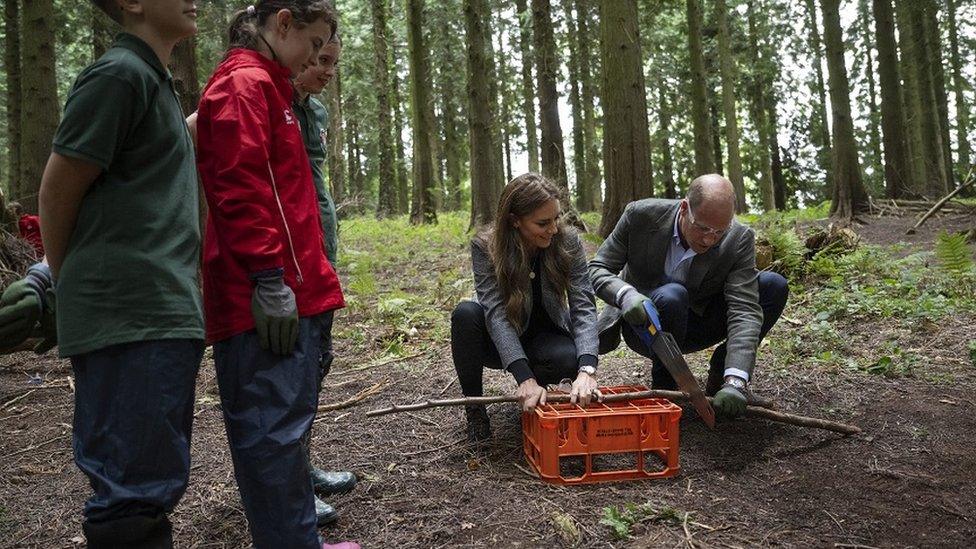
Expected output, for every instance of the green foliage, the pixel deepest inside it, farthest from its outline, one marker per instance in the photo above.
(787, 249)
(954, 254)
(621, 520)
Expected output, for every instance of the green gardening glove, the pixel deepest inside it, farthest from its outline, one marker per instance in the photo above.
(48, 328)
(23, 304)
(275, 313)
(729, 402)
(632, 308)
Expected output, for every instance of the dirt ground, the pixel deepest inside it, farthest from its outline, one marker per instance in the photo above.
(908, 481)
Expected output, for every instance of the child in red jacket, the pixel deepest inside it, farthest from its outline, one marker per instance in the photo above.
(266, 280)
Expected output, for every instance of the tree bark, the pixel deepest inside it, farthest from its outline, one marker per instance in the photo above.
(759, 113)
(667, 163)
(704, 162)
(575, 104)
(40, 112)
(547, 71)
(934, 44)
(422, 205)
(386, 204)
(626, 141)
(399, 150)
(935, 168)
(728, 72)
(869, 71)
(894, 129)
(11, 63)
(911, 96)
(958, 85)
(848, 194)
(335, 139)
(183, 66)
(484, 191)
(584, 45)
(103, 32)
(528, 87)
(822, 135)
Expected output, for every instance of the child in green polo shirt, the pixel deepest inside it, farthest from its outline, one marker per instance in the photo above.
(119, 219)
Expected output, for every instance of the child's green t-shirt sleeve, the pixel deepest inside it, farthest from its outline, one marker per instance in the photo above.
(98, 119)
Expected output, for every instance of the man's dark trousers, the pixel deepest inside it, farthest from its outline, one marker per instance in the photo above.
(695, 332)
(131, 436)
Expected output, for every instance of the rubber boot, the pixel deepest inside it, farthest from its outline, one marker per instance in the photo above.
(133, 532)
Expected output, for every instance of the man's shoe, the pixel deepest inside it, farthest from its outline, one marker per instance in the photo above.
(478, 428)
(330, 483)
(325, 514)
(716, 379)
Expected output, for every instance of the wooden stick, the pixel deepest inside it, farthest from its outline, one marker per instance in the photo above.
(938, 205)
(760, 408)
(365, 393)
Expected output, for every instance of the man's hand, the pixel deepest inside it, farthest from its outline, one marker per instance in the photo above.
(23, 304)
(275, 314)
(730, 401)
(638, 310)
(584, 389)
(530, 395)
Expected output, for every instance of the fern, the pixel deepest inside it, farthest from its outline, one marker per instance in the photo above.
(954, 253)
(788, 250)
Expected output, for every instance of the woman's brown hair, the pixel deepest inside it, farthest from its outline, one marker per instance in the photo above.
(522, 196)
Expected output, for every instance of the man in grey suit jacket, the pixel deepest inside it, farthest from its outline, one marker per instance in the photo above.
(696, 264)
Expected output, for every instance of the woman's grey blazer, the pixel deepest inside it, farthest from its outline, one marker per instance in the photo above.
(576, 318)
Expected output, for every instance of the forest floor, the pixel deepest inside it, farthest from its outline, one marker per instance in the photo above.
(873, 340)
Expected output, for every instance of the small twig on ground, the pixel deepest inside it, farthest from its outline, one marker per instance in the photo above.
(381, 363)
(15, 399)
(525, 470)
(684, 526)
(429, 450)
(448, 386)
(33, 447)
(422, 419)
(365, 393)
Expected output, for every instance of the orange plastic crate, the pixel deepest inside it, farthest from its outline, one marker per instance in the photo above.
(629, 440)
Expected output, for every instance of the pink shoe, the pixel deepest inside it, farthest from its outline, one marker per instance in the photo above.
(340, 545)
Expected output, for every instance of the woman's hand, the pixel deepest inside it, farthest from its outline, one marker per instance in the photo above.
(530, 395)
(584, 389)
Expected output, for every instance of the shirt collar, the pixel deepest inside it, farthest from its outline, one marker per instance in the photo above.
(139, 46)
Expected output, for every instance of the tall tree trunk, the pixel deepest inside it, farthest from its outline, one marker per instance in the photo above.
(494, 91)
(911, 97)
(667, 163)
(728, 72)
(704, 161)
(484, 191)
(822, 136)
(758, 108)
(183, 66)
(584, 45)
(352, 163)
(11, 63)
(626, 141)
(386, 205)
(575, 104)
(528, 87)
(547, 71)
(103, 31)
(504, 120)
(335, 140)
(399, 150)
(422, 205)
(40, 112)
(775, 156)
(715, 130)
(934, 43)
(958, 85)
(869, 71)
(848, 195)
(893, 125)
(453, 151)
(935, 180)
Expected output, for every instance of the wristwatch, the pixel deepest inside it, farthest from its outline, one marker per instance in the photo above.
(736, 382)
(588, 370)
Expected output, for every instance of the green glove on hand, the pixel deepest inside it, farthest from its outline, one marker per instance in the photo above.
(729, 402)
(48, 329)
(23, 304)
(275, 313)
(632, 306)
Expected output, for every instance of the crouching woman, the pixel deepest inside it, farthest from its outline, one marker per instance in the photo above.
(535, 315)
